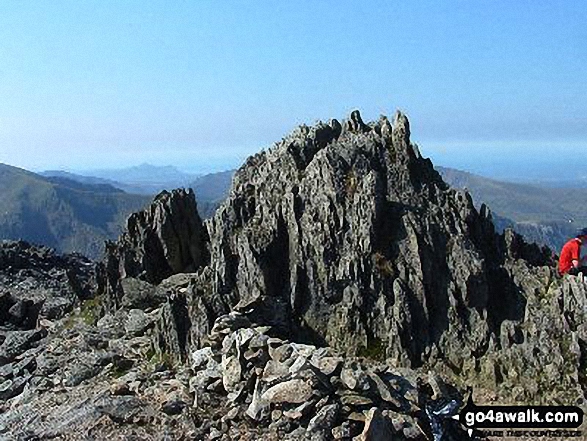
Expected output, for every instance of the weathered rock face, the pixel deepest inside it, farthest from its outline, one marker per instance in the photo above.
(162, 260)
(542, 358)
(339, 241)
(342, 235)
(36, 283)
(348, 237)
(164, 239)
(188, 313)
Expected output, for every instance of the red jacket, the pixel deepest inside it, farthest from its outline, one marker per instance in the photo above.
(571, 251)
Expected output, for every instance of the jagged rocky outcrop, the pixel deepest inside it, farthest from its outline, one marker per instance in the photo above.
(342, 235)
(165, 238)
(329, 296)
(162, 260)
(37, 283)
(350, 238)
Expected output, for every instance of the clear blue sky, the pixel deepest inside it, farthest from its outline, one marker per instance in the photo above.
(203, 83)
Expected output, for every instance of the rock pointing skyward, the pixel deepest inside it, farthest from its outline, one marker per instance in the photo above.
(337, 286)
(351, 239)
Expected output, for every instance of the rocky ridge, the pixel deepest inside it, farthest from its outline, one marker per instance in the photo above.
(36, 283)
(343, 235)
(99, 380)
(164, 239)
(330, 294)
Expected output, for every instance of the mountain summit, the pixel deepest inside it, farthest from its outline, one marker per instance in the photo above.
(337, 292)
(341, 234)
(340, 227)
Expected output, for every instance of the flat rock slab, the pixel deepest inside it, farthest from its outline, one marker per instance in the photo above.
(377, 427)
(292, 391)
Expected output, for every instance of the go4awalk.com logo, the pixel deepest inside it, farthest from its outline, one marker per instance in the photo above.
(519, 417)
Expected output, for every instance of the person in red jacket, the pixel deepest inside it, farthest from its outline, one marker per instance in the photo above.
(570, 261)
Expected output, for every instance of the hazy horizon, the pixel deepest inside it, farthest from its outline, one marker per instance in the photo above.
(497, 89)
(555, 170)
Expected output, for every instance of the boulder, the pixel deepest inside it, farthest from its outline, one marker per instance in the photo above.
(291, 391)
(166, 238)
(18, 342)
(377, 427)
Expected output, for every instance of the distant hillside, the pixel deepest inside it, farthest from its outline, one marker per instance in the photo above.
(144, 178)
(141, 179)
(211, 190)
(545, 215)
(579, 182)
(60, 212)
(80, 186)
(92, 180)
(142, 173)
(151, 188)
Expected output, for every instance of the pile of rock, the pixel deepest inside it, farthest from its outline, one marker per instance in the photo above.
(338, 243)
(298, 391)
(36, 283)
(105, 379)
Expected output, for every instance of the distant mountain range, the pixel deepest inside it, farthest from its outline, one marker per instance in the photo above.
(544, 215)
(75, 212)
(143, 173)
(62, 213)
(140, 179)
(210, 189)
(579, 182)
